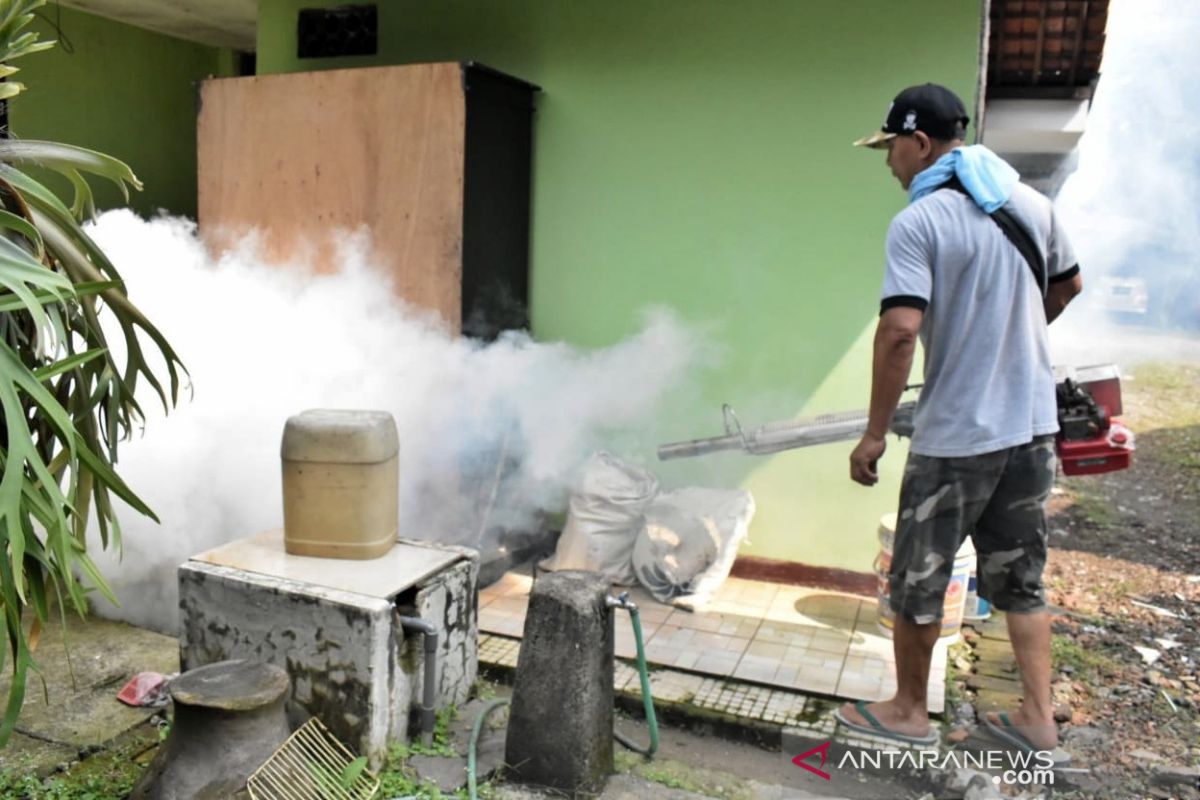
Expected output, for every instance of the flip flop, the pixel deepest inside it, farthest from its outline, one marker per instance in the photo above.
(1008, 734)
(876, 727)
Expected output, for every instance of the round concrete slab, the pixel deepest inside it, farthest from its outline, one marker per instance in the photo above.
(231, 686)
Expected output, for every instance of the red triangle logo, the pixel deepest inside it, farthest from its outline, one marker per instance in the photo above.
(823, 749)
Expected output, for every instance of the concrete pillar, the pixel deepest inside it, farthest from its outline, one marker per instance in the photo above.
(229, 720)
(560, 731)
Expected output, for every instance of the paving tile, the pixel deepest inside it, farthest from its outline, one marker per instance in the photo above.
(748, 610)
(746, 592)
(668, 643)
(867, 667)
(511, 584)
(487, 596)
(867, 620)
(853, 687)
(687, 648)
(624, 642)
(710, 622)
(788, 633)
(870, 644)
(814, 619)
(648, 607)
(505, 616)
(821, 681)
(787, 675)
(775, 651)
(751, 633)
(758, 670)
(717, 662)
(783, 606)
(510, 605)
(625, 676)
(830, 606)
(671, 686)
(805, 657)
(830, 641)
(501, 624)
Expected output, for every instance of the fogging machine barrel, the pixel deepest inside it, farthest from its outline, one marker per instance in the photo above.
(775, 437)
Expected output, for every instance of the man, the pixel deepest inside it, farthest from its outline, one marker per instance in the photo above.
(982, 458)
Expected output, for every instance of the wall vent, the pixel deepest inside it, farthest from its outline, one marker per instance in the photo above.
(342, 31)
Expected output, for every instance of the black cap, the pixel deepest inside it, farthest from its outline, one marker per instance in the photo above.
(930, 108)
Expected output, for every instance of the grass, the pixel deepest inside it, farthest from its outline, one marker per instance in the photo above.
(671, 778)
(1086, 663)
(1094, 508)
(398, 779)
(103, 776)
(1162, 396)
(1115, 591)
(1161, 399)
(677, 775)
(483, 689)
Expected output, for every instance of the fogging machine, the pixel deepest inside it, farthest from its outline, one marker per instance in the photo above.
(1090, 439)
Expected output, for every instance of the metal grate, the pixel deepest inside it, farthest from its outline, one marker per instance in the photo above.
(312, 765)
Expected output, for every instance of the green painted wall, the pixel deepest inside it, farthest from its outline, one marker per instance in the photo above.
(696, 154)
(124, 91)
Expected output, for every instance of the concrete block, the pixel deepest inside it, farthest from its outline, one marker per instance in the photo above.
(560, 731)
(448, 600)
(348, 659)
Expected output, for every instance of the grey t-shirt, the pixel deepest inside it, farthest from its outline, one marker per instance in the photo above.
(988, 379)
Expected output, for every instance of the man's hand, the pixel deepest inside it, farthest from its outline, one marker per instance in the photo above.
(895, 340)
(864, 459)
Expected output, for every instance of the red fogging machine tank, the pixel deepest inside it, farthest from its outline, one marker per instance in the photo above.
(1090, 438)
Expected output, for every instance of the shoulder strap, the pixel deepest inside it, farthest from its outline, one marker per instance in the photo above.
(1015, 233)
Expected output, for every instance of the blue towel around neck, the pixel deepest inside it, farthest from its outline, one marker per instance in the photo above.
(986, 176)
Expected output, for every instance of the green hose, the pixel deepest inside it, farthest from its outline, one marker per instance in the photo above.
(647, 698)
(489, 708)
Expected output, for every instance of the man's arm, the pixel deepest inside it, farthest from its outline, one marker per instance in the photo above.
(1060, 294)
(895, 343)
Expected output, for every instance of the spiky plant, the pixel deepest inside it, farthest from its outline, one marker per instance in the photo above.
(65, 400)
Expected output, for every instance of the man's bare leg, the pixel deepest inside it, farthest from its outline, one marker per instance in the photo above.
(1030, 635)
(907, 711)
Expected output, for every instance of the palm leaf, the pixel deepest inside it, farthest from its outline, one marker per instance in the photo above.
(70, 161)
(65, 400)
(10, 302)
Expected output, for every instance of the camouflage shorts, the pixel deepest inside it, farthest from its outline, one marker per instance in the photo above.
(999, 500)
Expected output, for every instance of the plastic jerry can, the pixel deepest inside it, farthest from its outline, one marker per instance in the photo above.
(341, 483)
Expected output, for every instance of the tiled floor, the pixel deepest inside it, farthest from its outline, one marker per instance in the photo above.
(791, 637)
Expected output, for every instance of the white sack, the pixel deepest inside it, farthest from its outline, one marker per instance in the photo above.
(603, 519)
(689, 542)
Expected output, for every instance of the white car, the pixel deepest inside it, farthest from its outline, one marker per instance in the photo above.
(1123, 295)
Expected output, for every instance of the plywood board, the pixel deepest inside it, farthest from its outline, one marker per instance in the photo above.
(305, 157)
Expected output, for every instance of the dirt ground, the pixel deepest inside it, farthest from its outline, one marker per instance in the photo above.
(1124, 574)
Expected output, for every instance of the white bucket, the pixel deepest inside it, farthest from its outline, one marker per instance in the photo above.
(975, 609)
(956, 590)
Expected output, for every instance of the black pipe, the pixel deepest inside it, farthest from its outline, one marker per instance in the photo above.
(429, 703)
